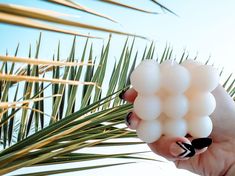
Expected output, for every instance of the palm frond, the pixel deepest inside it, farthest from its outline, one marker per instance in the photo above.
(72, 132)
(20, 15)
(127, 6)
(77, 6)
(28, 16)
(163, 7)
(77, 120)
(46, 62)
(27, 22)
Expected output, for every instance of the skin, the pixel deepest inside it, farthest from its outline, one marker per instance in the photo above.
(216, 160)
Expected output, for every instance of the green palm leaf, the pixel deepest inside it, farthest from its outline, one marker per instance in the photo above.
(72, 131)
(75, 5)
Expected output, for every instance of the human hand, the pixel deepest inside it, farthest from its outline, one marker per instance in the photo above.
(195, 155)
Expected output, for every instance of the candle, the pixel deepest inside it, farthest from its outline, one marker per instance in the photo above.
(166, 64)
(199, 127)
(204, 78)
(149, 131)
(175, 79)
(202, 104)
(147, 107)
(174, 99)
(146, 77)
(190, 64)
(175, 106)
(174, 127)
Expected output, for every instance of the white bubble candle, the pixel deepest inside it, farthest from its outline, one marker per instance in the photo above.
(174, 99)
(146, 77)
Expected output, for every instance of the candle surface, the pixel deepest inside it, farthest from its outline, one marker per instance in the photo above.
(205, 78)
(175, 106)
(175, 127)
(175, 79)
(146, 77)
(190, 64)
(199, 127)
(147, 107)
(202, 104)
(149, 131)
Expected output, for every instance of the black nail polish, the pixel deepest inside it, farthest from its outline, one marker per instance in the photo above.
(201, 143)
(121, 95)
(188, 136)
(189, 150)
(127, 119)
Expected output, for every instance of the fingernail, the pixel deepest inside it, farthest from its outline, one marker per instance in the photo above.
(127, 119)
(121, 95)
(188, 136)
(201, 143)
(182, 150)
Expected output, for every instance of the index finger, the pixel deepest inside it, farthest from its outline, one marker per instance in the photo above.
(129, 95)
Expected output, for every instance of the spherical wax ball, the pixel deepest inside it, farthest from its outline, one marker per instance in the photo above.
(175, 127)
(175, 79)
(149, 131)
(146, 77)
(205, 78)
(167, 63)
(199, 127)
(190, 64)
(147, 107)
(175, 106)
(202, 104)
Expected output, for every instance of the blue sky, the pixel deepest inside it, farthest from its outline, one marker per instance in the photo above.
(203, 27)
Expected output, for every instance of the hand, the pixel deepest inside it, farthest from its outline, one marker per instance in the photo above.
(197, 155)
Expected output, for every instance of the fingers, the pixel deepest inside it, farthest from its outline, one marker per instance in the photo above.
(128, 95)
(173, 148)
(168, 147)
(180, 148)
(132, 120)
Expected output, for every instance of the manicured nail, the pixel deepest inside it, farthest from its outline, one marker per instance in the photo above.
(201, 143)
(188, 136)
(121, 95)
(127, 119)
(182, 150)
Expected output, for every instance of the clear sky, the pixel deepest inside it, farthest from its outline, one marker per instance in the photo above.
(203, 27)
